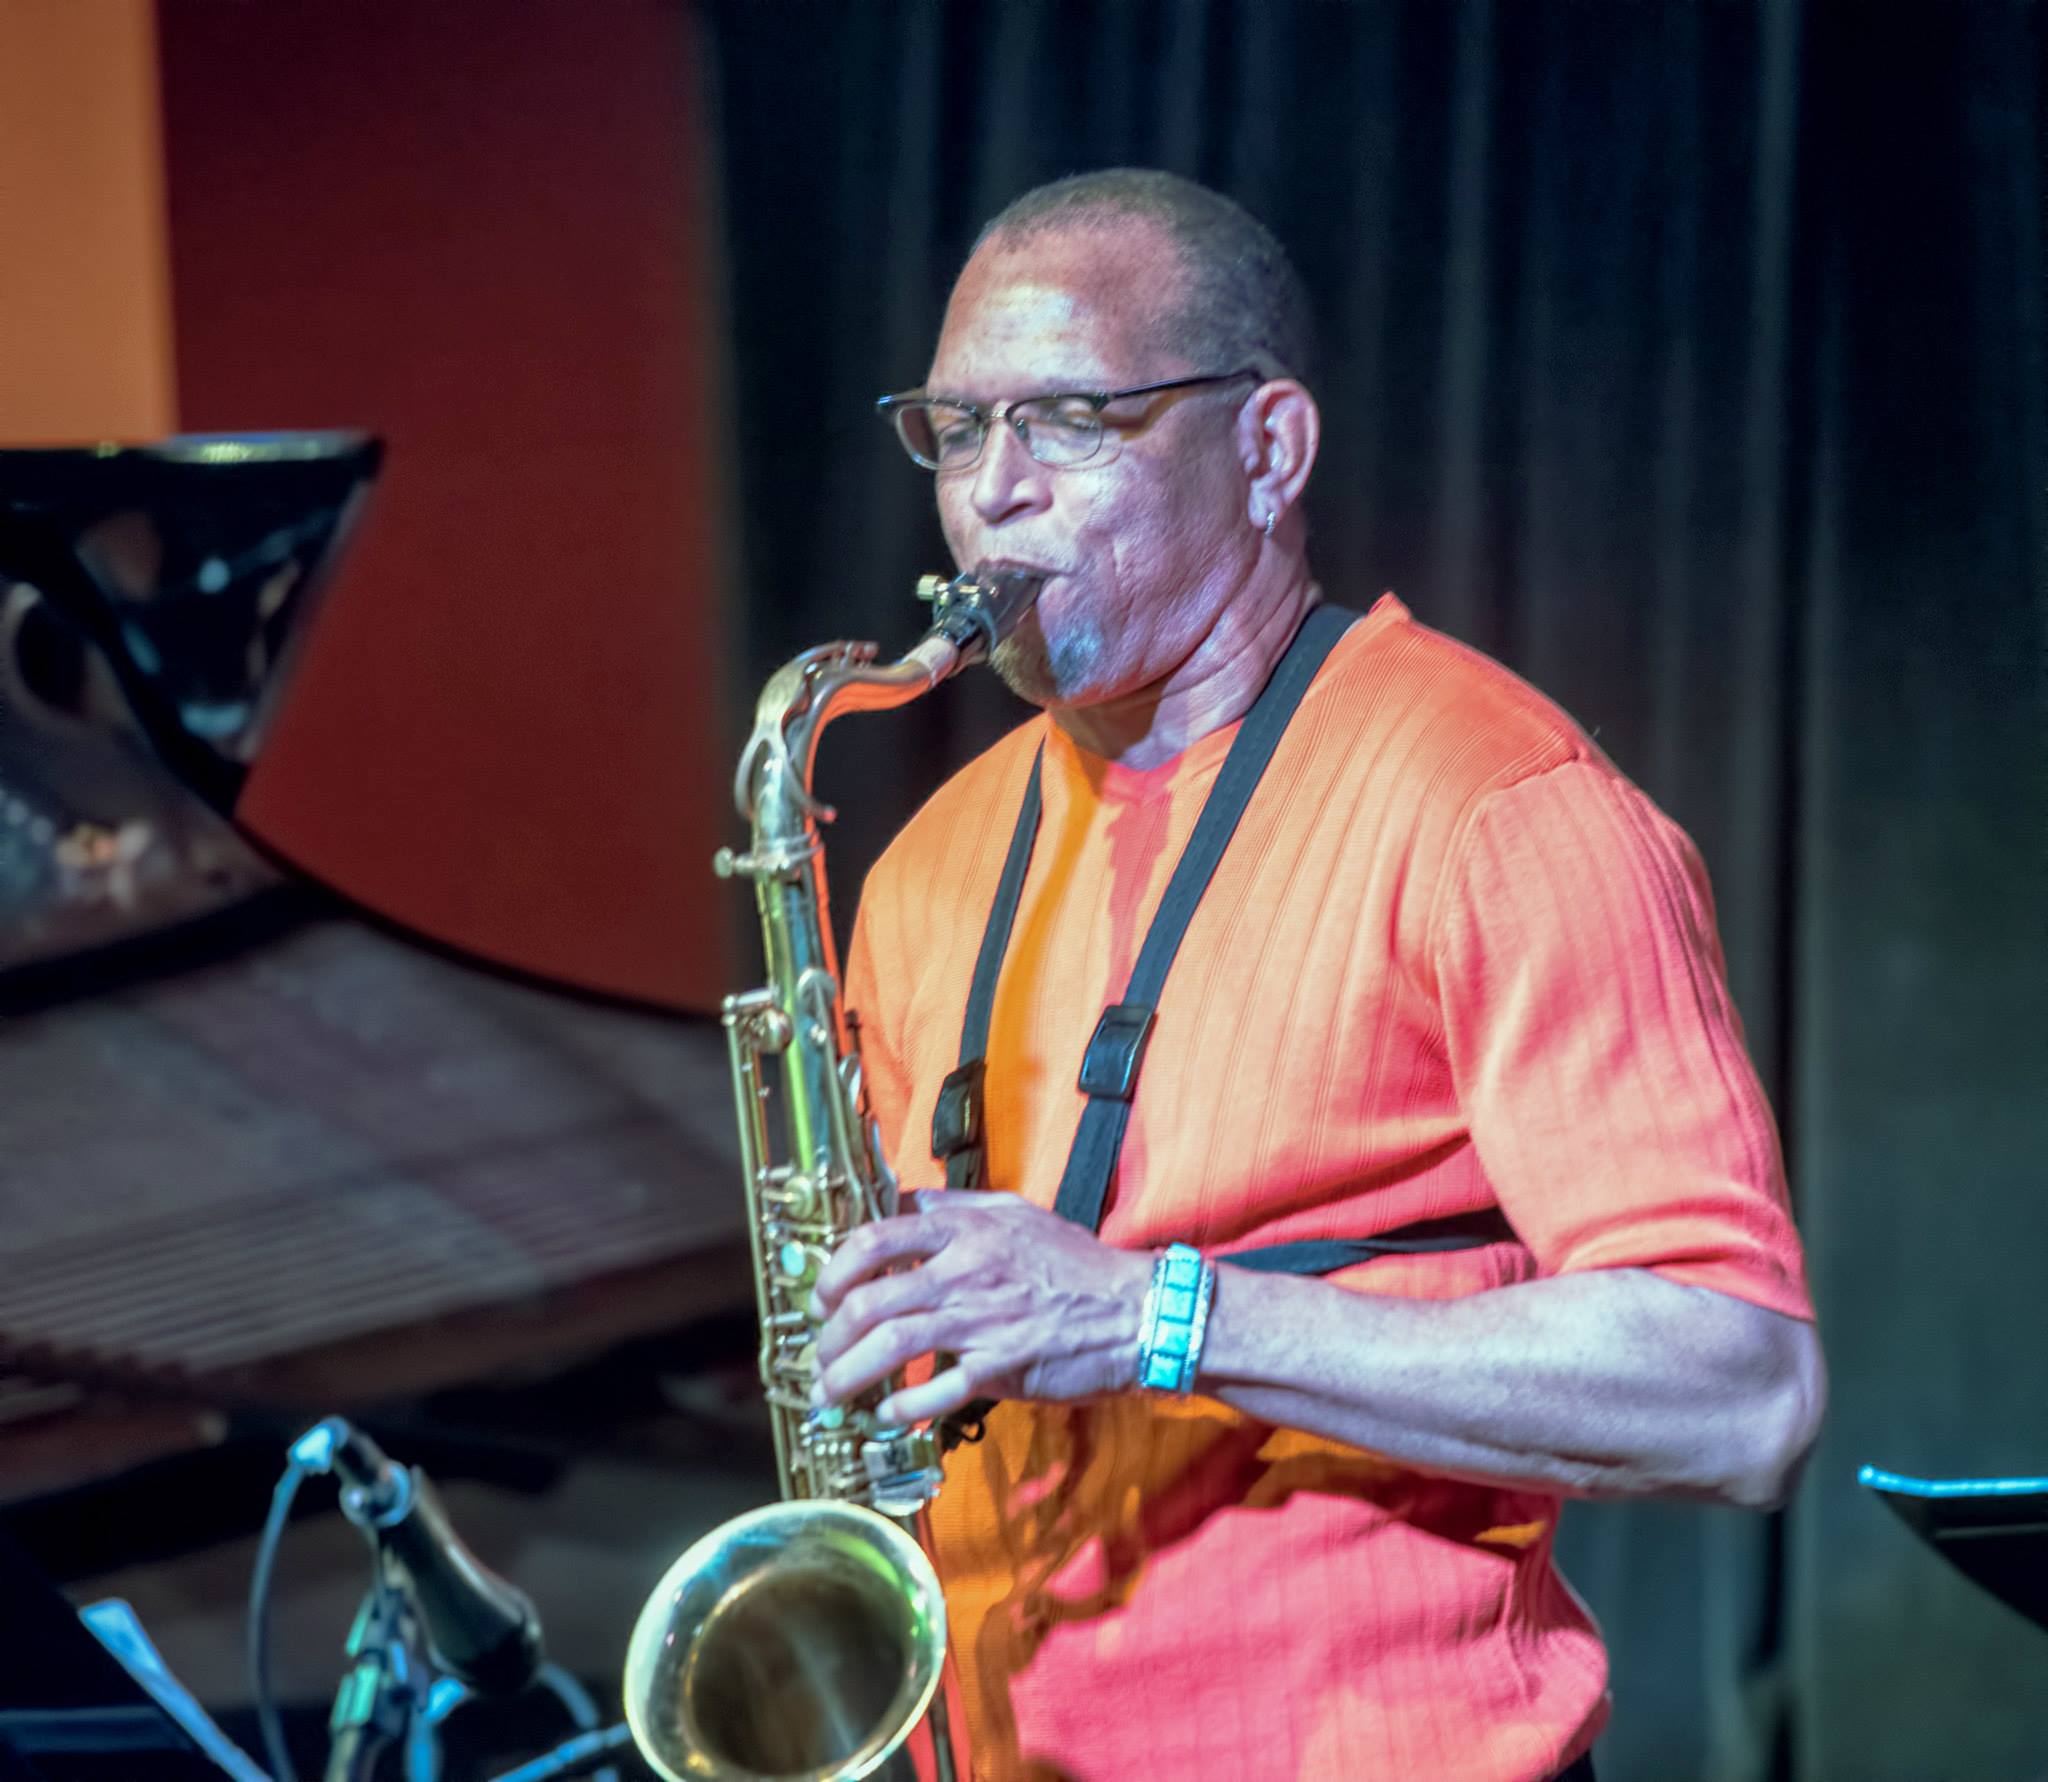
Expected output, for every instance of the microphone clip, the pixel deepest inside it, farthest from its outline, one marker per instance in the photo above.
(479, 1629)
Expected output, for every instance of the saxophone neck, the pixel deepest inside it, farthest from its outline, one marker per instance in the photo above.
(971, 615)
(773, 785)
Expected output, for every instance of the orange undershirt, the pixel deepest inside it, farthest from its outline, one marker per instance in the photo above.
(1450, 959)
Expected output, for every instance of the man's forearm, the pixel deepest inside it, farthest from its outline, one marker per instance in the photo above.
(1610, 1383)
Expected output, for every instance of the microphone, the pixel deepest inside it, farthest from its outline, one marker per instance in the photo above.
(483, 1632)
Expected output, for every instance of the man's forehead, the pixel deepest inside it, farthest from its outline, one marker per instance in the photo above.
(1063, 305)
(992, 318)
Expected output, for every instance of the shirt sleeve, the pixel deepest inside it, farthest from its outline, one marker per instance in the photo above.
(1597, 1054)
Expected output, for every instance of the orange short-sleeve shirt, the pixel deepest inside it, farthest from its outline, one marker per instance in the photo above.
(1450, 960)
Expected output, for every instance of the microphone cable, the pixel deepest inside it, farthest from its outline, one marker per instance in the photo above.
(269, 1723)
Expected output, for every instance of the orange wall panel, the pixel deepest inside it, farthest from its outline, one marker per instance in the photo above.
(85, 334)
(476, 229)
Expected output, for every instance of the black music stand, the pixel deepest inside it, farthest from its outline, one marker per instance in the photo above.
(1993, 1531)
(68, 1711)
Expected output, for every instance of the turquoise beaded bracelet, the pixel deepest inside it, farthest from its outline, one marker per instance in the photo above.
(1176, 1319)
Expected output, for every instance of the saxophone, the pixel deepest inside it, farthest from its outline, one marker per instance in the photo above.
(802, 1642)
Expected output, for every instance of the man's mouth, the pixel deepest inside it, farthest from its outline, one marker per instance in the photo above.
(1010, 565)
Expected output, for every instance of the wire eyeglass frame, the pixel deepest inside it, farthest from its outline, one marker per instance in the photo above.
(908, 410)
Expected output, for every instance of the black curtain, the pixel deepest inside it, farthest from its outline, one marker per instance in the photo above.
(1688, 357)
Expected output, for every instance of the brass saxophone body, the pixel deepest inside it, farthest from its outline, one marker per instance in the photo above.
(803, 1642)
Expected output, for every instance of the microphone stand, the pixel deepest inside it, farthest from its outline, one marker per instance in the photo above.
(386, 1697)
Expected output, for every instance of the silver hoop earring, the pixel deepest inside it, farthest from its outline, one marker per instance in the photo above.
(1272, 520)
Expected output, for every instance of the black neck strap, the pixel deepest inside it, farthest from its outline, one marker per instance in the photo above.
(1116, 1051)
(959, 1135)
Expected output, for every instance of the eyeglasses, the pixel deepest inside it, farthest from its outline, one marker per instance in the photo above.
(1061, 429)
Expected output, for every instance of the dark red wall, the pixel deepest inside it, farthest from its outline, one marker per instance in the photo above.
(478, 230)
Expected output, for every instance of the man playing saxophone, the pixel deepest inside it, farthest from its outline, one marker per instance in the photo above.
(1351, 1150)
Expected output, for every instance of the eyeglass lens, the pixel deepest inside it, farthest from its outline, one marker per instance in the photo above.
(1055, 430)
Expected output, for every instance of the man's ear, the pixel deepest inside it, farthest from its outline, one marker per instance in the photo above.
(1279, 431)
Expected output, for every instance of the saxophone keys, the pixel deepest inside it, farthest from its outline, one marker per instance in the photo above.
(800, 1196)
(758, 1023)
(800, 1264)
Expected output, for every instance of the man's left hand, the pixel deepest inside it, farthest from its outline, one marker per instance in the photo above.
(1024, 1303)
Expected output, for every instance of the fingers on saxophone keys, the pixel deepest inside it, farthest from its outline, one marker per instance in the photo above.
(884, 1350)
(943, 1392)
(868, 1249)
(867, 1305)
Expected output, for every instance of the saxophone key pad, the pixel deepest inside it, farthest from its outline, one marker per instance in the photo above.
(799, 1263)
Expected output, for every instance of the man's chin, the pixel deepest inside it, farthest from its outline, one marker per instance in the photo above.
(1021, 664)
(1064, 668)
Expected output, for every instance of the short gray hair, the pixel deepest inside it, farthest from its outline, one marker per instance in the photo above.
(1243, 303)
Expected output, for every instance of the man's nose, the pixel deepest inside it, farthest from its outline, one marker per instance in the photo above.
(1008, 480)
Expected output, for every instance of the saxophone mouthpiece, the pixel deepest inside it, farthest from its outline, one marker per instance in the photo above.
(983, 606)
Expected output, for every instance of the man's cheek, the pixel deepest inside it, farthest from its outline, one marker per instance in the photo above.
(953, 524)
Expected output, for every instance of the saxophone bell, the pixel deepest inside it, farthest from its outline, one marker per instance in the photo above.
(801, 1642)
